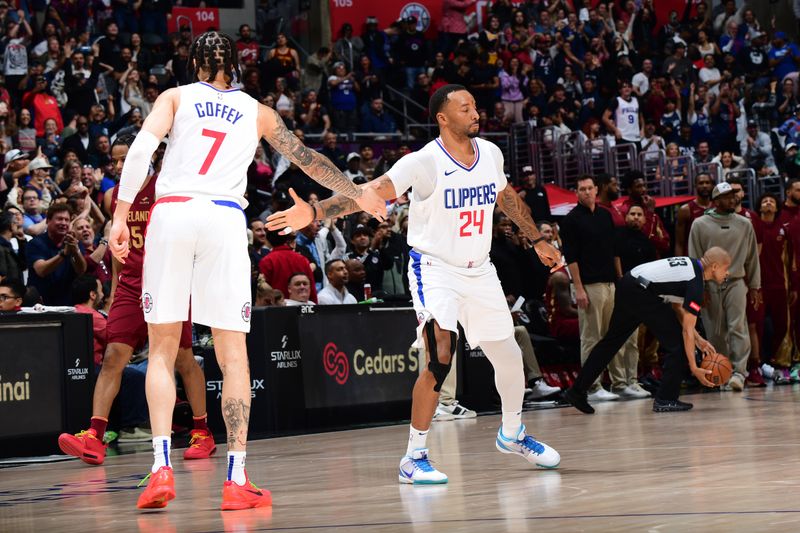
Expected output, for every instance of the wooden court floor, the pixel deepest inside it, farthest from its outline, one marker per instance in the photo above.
(732, 464)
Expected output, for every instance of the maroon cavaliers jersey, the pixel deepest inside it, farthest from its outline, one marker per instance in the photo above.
(775, 253)
(131, 274)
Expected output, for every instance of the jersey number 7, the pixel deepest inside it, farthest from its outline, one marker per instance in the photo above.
(218, 137)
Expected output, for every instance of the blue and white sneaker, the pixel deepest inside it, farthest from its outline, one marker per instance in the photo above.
(417, 470)
(533, 451)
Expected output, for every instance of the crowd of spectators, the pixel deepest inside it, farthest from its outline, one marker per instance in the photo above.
(712, 83)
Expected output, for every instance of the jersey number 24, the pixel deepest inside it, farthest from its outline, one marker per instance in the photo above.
(471, 219)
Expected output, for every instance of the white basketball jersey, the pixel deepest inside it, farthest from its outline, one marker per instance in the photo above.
(450, 217)
(211, 144)
(627, 118)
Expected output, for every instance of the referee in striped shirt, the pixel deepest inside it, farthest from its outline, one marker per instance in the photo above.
(666, 296)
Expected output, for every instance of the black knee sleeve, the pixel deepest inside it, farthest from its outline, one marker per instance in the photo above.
(437, 368)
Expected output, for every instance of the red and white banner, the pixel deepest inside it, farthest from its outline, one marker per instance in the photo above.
(198, 19)
(429, 13)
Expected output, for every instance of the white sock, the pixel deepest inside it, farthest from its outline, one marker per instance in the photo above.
(236, 467)
(512, 422)
(162, 446)
(416, 440)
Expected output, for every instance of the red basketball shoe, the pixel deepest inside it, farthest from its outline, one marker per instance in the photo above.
(84, 445)
(159, 491)
(247, 496)
(201, 446)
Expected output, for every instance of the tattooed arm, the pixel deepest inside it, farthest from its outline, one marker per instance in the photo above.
(301, 213)
(317, 166)
(515, 208)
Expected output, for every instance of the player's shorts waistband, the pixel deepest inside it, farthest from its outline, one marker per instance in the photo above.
(180, 199)
(431, 260)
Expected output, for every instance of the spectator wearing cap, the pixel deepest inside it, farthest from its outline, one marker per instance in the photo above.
(756, 148)
(535, 195)
(353, 170)
(724, 317)
(783, 57)
(16, 169)
(343, 87)
(335, 292)
(411, 51)
(39, 170)
(332, 151)
(367, 248)
(43, 105)
(55, 258)
(378, 120)
(282, 262)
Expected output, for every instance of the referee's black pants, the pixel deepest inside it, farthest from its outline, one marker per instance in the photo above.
(635, 305)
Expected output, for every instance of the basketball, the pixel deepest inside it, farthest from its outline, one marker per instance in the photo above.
(720, 366)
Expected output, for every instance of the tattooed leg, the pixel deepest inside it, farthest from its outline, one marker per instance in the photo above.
(231, 353)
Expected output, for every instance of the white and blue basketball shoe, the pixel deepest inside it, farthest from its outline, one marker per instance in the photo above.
(417, 470)
(535, 452)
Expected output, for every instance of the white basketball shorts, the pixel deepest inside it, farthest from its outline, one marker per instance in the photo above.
(450, 295)
(196, 248)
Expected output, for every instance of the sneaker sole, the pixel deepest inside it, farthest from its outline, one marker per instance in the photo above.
(159, 500)
(188, 457)
(239, 506)
(443, 418)
(503, 449)
(462, 417)
(68, 447)
(407, 481)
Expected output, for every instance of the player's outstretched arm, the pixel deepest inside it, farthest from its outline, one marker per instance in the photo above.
(137, 163)
(514, 207)
(317, 166)
(302, 213)
(688, 323)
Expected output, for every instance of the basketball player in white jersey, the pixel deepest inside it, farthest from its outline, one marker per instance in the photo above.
(196, 244)
(455, 181)
(623, 116)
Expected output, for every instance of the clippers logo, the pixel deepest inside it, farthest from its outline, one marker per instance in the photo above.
(420, 12)
(336, 364)
(246, 312)
(147, 302)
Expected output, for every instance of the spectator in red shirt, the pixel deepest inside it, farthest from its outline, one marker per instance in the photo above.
(282, 262)
(44, 106)
(87, 296)
(246, 46)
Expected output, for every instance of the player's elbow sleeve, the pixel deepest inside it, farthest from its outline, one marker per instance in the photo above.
(137, 163)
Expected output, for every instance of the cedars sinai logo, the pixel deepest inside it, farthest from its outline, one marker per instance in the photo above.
(336, 363)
